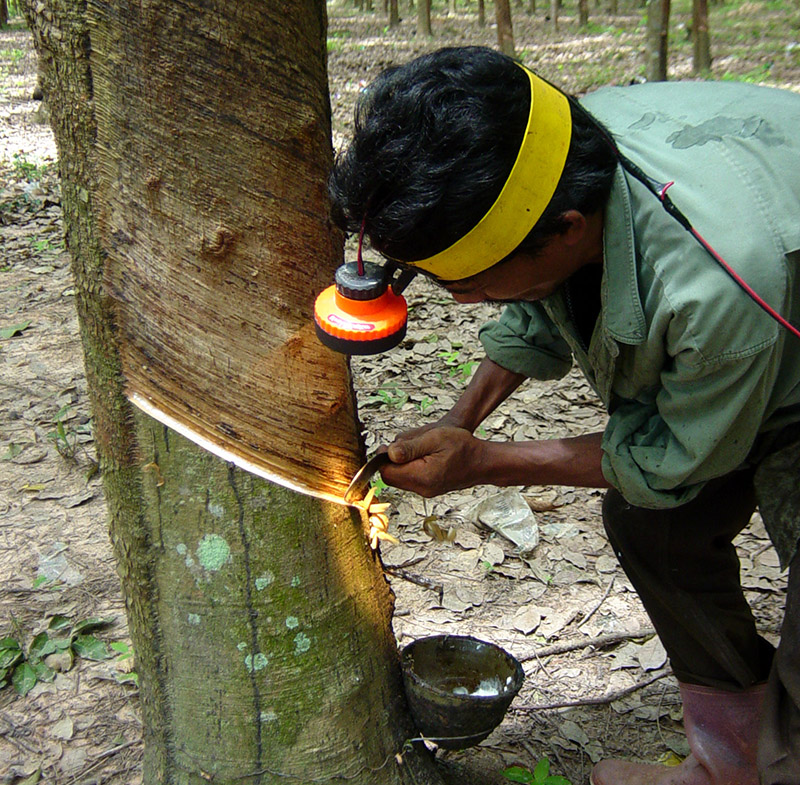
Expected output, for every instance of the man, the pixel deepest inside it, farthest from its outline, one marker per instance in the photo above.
(470, 169)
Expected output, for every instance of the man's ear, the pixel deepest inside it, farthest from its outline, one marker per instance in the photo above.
(574, 223)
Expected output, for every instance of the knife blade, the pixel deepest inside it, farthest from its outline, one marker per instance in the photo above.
(359, 485)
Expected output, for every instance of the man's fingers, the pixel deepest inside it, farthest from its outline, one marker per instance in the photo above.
(405, 451)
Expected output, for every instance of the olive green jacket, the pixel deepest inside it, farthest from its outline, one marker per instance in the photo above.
(690, 369)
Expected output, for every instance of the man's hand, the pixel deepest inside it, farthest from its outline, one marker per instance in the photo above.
(441, 459)
(434, 460)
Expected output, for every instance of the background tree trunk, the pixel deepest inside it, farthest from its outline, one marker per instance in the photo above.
(424, 18)
(481, 13)
(394, 14)
(259, 616)
(505, 30)
(656, 54)
(701, 38)
(583, 13)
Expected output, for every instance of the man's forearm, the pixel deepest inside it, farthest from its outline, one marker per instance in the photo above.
(574, 461)
(490, 385)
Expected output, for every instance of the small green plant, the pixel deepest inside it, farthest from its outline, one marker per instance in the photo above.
(425, 404)
(42, 244)
(64, 437)
(28, 170)
(124, 652)
(461, 369)
(539, 776)
(390, 395)
(14, 55)
(52, 650)
(378, 484)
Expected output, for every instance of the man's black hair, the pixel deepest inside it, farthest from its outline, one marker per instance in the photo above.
(434, 142)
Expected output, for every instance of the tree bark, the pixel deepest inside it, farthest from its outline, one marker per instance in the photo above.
(394, 14)
(555, 6)
(424, 18)
(481, 13)
(583, 13)
(656, 55)
(259, 616)
(701, 38)
(505, 30)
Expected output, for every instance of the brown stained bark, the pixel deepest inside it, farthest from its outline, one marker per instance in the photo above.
(505, 29)
(701, 38)
(259, 616)
(214, 149)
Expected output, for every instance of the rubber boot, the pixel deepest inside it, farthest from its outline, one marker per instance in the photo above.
(722, 731)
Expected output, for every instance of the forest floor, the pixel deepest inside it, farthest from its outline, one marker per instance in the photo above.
(597, 680)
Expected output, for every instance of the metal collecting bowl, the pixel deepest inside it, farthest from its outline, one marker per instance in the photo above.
(458, 688)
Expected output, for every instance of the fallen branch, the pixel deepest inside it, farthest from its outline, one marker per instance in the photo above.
(597, 607)
(599, 642)
(609, 697)
(98, 759)
(416, 579)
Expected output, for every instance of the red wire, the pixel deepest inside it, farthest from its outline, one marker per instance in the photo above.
(759, 301)
(360, 243)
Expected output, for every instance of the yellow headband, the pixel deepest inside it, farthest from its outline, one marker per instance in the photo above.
(527, 192)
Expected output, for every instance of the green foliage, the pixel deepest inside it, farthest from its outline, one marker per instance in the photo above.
(461, 369)
(14, 55)
(389, 395)
(378, 484)
(64, 437)
(336, 39)
(14, 329)
(754, 76)
(425, 404)
(539, 776)
(53, 649)
(28, 170)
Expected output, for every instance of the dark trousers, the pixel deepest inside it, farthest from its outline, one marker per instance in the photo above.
(684, 566)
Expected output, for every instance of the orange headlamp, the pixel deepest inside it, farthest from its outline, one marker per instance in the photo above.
(364, 312)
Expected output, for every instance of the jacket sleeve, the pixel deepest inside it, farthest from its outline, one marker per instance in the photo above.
(699, 424)
(524, 340)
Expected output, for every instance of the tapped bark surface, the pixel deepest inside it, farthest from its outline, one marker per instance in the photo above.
(213, 142)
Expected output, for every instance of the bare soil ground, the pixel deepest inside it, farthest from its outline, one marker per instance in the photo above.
(597, 681)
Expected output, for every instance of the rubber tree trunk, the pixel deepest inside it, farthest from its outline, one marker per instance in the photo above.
(259, 616)
(701, 37)
(656, 54)
(505, 30)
